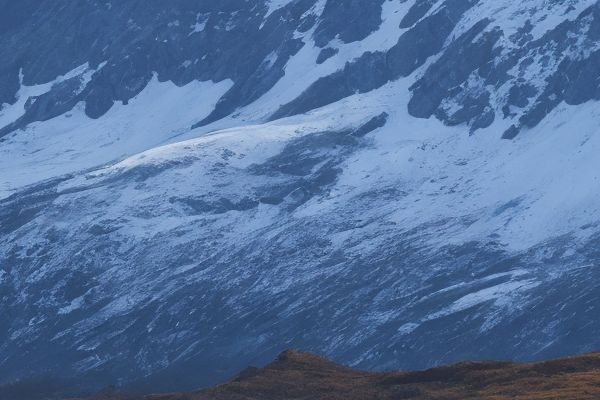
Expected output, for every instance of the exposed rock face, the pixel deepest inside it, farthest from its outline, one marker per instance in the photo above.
(241, 41)
(345, 188)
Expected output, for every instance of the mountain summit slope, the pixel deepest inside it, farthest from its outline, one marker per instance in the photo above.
(393, 184)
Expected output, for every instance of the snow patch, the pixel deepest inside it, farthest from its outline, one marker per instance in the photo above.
(74, 142)
(274, 5)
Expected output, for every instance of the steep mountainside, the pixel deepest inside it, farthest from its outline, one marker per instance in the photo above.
(390, 183)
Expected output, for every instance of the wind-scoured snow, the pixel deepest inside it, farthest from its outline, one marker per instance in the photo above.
(275, 5)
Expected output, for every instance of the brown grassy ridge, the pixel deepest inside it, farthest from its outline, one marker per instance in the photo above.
(302, 376)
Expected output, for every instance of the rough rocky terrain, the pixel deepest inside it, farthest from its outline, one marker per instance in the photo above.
(295, 376)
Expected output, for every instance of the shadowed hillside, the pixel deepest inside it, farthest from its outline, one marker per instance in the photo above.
(296, 375)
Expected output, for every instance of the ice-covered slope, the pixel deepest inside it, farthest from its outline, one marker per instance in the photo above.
(225, 181)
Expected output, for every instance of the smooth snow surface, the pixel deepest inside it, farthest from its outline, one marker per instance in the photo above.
(74, 142)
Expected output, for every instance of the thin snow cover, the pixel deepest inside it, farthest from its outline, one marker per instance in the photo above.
(74, 305)
(155, 201)
(9, 113)
(200, 25)
(510, 16)
(502, 295)
(252, 143)
(275, 5)
(543, 184)
(74, 142)
(302, 69)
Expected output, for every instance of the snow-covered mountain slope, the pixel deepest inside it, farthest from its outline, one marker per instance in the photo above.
(199, 187)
